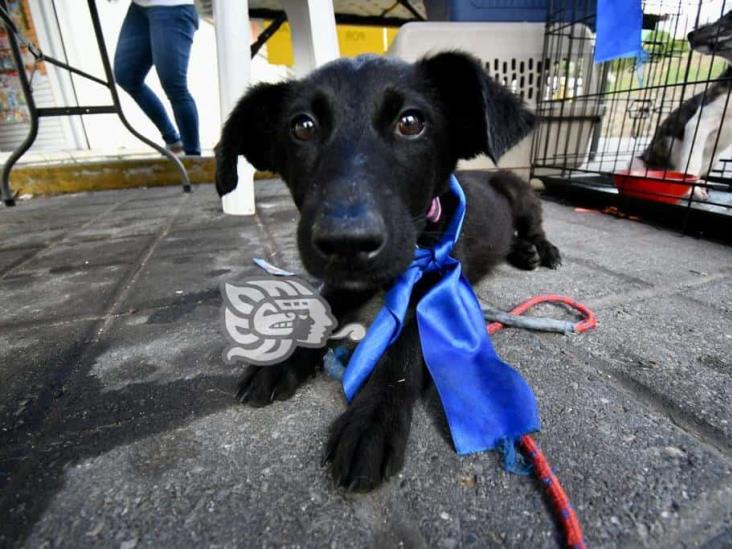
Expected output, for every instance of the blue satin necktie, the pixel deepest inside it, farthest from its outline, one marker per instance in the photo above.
(485, 400)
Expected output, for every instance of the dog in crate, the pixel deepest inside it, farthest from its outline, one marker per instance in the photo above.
(692, 138)
(367, 147)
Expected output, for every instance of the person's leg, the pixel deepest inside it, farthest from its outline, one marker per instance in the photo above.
(132, 61)
(172, 30)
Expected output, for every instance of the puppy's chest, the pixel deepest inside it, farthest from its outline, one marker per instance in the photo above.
(712, 115)
(364, 314)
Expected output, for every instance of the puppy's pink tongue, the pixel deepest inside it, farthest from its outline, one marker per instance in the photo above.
(435, 211)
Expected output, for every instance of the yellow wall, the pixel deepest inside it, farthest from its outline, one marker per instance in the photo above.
(352, 40)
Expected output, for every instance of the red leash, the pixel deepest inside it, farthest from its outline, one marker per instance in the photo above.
(588, 322)
(557, 496)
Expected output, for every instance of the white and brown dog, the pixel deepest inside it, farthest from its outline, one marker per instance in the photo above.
(693, 137)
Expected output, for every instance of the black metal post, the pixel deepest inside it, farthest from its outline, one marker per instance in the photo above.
(267, 33)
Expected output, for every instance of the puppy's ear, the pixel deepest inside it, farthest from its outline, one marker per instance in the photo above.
(250, 130)
(484, 116)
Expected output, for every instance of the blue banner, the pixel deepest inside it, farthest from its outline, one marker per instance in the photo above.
(619, 24)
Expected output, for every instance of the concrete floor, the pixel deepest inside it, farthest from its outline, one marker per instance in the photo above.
(118, 425)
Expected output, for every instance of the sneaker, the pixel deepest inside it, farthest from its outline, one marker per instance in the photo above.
(176, 148)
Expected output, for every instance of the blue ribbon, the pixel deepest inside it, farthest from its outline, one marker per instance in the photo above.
(485, 400)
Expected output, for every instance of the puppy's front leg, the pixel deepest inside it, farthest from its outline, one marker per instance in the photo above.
(367, 443)
(262, 385)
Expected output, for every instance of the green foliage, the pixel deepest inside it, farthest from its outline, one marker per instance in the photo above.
(661, 44)
(668, 63)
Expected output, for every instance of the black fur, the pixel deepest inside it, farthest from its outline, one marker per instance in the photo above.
(362, 189)
(714, 38)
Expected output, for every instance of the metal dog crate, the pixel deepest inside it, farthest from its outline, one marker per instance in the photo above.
(596, 121)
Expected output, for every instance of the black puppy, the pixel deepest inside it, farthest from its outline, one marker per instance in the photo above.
(364, 145)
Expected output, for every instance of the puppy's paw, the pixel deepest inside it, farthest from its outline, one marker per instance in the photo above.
(367, 444)
(549, 254)
(700, 193)
(524, 255)
(262, 385)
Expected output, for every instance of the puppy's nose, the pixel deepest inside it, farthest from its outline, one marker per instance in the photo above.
(348, 245)
(690, 36)
(350, 232)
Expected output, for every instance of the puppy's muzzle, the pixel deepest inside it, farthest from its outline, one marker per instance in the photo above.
(349, 233)
(710, 39)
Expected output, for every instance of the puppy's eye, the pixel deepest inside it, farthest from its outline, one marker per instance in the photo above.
(411, 123)
(304, 128)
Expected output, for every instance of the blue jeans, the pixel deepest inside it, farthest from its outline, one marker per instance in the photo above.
(160, 36)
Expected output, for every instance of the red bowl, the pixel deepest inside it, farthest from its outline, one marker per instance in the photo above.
(658, 185)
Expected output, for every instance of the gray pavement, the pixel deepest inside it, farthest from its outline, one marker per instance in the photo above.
(118, 426)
